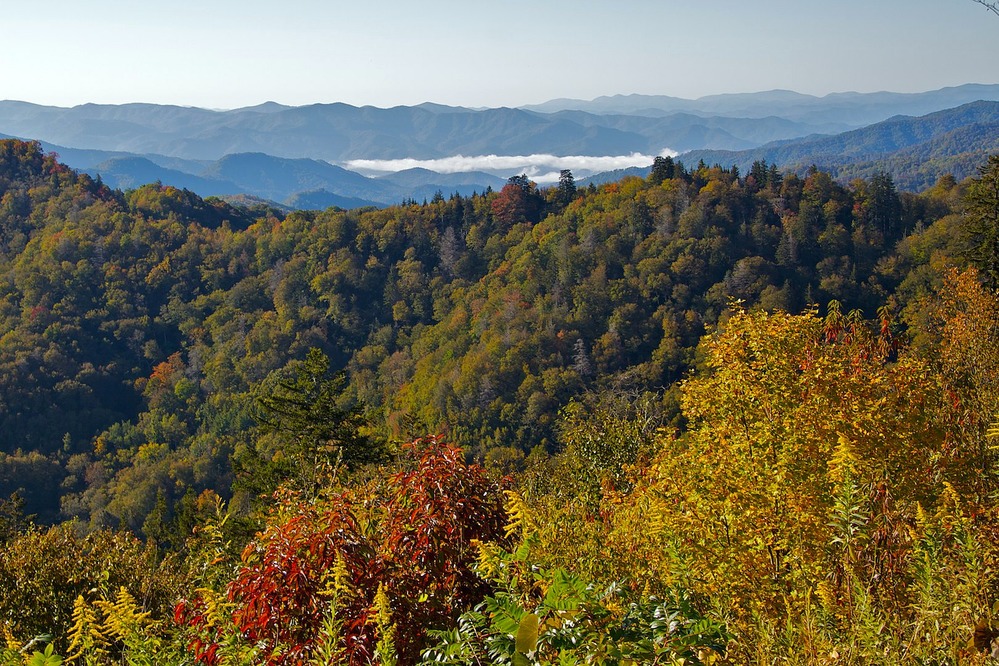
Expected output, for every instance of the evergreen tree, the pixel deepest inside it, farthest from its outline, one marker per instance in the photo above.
(314, 431)
(663, 168)
(981, 221)
(884, 207)
(566, 191)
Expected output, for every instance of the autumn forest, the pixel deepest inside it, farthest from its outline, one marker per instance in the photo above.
(700, 417)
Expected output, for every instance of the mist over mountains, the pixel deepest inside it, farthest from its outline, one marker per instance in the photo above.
(337, 154)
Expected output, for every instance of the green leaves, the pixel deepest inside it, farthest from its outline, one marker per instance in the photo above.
(574, 621)
(45, 658)
(527, 639)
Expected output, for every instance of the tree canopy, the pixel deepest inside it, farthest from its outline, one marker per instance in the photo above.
(701, 415)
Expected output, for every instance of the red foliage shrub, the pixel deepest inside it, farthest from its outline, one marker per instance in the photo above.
(413, 535)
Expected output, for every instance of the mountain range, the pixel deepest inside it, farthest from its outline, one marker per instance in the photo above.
(916, 151)
(846, 109)
(300, 155)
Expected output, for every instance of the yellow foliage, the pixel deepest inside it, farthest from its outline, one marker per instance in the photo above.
(489, 559)
(12, 643)
(216, 609)
(844, 460)
(385, 653)
(739, 508)
(86, 639)
(337, 580)
(967, 318)
(383, 610)
(519, 514)
(794, 501)
(122, 617)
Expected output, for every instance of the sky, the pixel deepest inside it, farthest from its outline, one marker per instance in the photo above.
(479, 53)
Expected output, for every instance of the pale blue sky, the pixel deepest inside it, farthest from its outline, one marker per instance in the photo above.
(231, 53)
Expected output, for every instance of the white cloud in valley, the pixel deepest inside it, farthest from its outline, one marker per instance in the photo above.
(541, 167)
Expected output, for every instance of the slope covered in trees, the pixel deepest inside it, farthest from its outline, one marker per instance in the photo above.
(143, 326)
(916, 151)
(193, 372)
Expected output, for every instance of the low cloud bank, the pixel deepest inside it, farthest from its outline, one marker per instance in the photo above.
(542, 168)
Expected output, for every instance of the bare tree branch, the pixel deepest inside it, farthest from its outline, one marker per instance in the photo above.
(991, 6)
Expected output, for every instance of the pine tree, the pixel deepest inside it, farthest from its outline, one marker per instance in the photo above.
(981, 221)
(305, 413)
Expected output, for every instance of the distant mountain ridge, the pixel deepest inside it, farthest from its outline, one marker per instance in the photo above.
(292, 155)
(914, 150)
(850, 108)
(331, 132)
(301, 183)
(339, 132)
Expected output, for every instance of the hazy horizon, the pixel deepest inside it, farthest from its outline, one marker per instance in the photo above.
(525, 104)
(230, 54)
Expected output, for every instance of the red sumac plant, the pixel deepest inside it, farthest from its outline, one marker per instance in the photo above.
(412, 533)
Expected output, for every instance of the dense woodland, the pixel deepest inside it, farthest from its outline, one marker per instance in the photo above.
(701, 417)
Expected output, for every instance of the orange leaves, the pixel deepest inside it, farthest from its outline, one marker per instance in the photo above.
(967, 321)
(517, 202)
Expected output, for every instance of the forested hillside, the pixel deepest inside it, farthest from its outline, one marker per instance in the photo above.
(916, 151)
(664, 385)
